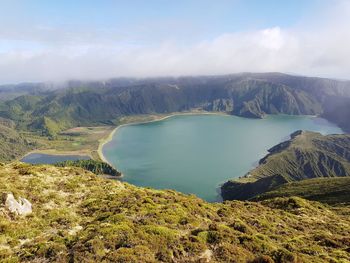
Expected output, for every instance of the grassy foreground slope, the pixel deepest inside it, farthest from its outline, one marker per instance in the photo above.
(78, 217)
(306, 155)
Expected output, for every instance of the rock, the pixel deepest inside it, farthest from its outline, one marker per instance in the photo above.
(207, 255)
(20, 207)
(75, 230)
(250, 109)
(221, 105)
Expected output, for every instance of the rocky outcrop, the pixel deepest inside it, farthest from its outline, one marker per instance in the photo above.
(250, 109)
(21, 207)
(221, 105)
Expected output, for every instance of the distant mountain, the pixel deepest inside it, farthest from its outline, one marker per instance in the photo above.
(248, 95)
(9, 92)
(306, 155)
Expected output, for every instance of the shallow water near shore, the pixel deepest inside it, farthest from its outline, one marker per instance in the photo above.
(195, 154)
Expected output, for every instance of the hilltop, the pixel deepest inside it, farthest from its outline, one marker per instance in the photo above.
(306, 155)
(78, 216)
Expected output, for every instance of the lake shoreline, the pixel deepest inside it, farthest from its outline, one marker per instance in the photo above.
(103, 142)
(153, 172)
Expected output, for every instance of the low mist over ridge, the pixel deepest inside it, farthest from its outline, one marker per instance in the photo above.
(134, 80)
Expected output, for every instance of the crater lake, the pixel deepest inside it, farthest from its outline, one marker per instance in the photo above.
(194, 154)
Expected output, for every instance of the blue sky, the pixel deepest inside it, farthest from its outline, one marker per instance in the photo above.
(155, 20)
(231, 15)
(58, 40)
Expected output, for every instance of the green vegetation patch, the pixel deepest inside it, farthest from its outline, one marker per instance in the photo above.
(97, 167)
(13, 144)
(306, 155)
(80, 217)
(332, 191)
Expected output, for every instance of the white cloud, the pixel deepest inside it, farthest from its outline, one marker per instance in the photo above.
(321, 48)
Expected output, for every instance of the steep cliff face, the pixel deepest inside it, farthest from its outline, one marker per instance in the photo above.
(78, 217)
(306, 155)
(220, 105)
(264, 97)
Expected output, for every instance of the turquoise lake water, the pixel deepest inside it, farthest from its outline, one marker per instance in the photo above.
(196, 153)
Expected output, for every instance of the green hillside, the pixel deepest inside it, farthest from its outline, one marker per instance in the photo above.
(13, 145)
(335, 190)
(248, 95)
(78, 217)
(306, 155)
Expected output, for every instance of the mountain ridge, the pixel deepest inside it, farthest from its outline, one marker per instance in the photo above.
(306, 155)
(249, 95)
